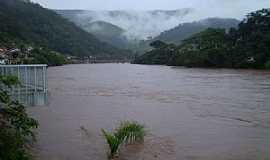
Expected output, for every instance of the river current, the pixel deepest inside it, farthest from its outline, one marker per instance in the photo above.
(189, 113)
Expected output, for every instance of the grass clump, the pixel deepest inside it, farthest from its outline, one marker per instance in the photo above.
(127, 133)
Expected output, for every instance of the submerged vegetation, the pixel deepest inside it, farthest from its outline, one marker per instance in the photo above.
(244, 47)
(16, 127)
(127, 133)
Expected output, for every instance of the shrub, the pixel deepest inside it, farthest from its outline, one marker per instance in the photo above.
(15, 125)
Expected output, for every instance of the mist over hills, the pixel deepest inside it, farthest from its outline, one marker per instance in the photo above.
(137, 25)
(135, 29)
(31, 23)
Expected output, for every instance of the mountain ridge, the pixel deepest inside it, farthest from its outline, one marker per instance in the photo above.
(184, 30)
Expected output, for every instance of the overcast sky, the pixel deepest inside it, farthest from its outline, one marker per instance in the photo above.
(220, 8)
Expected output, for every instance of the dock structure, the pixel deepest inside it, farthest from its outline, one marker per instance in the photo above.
(33, 87)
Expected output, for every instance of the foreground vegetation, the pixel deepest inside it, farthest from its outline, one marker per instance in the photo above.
(128, 132)
(16, 127)
(244, 47)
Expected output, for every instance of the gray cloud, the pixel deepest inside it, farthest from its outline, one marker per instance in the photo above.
(220, 8)
(139, 24)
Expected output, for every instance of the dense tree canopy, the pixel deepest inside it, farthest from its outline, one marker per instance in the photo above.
(160, 55)
(208, 49)
(44, 56)
(252, 39)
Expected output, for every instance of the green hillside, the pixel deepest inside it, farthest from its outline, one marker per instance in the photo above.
(246, 46)
(185, 30)
(106, 32)
(30, 23)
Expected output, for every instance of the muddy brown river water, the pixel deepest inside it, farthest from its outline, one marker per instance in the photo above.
(190, 114)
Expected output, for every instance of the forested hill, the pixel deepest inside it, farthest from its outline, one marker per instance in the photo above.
(28, 22)
(247, 46)
(185, 30)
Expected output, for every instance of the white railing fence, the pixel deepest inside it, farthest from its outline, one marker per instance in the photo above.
(33, 89)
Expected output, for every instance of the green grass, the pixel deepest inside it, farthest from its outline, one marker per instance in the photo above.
(127, 133)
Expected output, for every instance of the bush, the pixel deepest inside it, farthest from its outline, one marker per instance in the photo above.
(16, 126)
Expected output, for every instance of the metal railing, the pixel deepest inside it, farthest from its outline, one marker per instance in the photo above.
(33, 87)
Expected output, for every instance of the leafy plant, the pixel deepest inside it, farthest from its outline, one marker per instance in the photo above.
(16, 126)
(113, 142)
(127, 133)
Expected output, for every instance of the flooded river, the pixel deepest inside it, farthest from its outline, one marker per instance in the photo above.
(190, 114)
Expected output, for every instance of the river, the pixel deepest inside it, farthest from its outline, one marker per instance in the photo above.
(190, 114)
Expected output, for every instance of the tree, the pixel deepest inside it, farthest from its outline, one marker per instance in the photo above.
(253, 38)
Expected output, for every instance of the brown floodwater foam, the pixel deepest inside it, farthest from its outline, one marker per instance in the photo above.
(190, 114)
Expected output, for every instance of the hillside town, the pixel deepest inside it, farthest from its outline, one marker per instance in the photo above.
(14, 55)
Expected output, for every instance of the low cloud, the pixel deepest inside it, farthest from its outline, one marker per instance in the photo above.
(139, 24)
